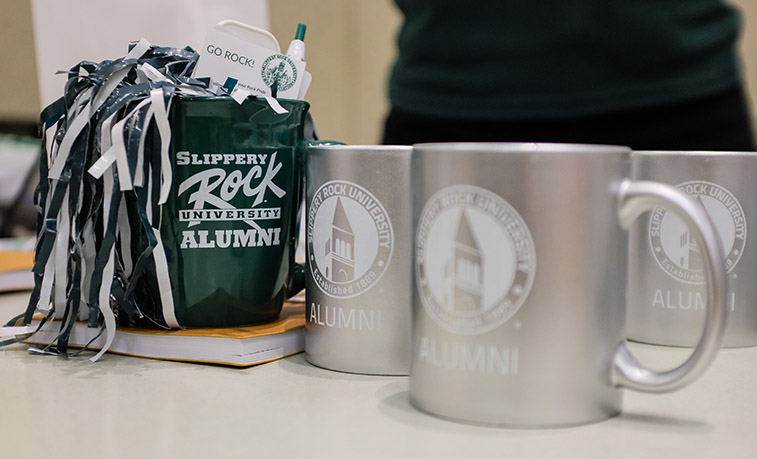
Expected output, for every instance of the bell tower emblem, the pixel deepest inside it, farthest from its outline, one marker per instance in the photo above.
(341, 247)
(465, 270)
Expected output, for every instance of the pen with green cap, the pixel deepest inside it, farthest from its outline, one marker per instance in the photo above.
(297, 47)
(297, 51)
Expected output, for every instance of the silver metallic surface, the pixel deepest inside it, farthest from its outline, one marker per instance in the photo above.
(667, 299)
(542, 343)
(637, 198)
(359, 259)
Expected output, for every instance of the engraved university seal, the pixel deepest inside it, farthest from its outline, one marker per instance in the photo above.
(673, 246)
(475, 259)
(350, 239)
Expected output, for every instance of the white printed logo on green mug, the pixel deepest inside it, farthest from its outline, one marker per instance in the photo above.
(351, 239)
(671, 240)
(475, 259)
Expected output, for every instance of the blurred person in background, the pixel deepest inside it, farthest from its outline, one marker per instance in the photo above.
(649, 74)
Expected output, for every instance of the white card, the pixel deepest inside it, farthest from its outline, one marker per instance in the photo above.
(255, 68)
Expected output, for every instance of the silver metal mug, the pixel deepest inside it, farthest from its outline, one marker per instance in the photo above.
(359, 259)
(666, 297)
(520, 268)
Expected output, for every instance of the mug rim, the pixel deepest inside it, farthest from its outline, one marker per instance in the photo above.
(693, 153)
(226, 97)
(524, 147)
(375, 148)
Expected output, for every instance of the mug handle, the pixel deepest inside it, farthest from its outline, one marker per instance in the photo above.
(635, 198)
(298, 272)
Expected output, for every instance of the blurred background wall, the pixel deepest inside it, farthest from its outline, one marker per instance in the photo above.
(19, 98)
(350, 45)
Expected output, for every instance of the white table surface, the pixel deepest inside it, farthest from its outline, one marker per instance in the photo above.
(126, 407)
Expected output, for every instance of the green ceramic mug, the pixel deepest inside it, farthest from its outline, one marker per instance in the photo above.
(229, 227)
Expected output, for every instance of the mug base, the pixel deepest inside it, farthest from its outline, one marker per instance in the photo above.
(513, 424)
(727, 343)
(223, 310)
(355, 371)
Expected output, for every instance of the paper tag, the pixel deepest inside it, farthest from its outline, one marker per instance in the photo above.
(228, 55)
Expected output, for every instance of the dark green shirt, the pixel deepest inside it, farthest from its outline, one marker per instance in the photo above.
(525, 59)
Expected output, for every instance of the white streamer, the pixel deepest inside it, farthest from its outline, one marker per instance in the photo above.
(275, 105)
(89, 255)
(13, 331)
(119, 147)
(76, 234)
(107, 275)
(109, 156)
(164, 283)
(61, 257)
(139, 49)
(239, 95)
(43, 303)
(72, 133)
(110, 85)
(161, 119)
(161, 269)
(139, 176)
(83, 113)
(101, 165)
(151, 73)
(104, 304)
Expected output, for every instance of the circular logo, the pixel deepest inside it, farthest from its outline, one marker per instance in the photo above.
(673, 245)
(280, 68)
(350, 239)
(475, 259)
